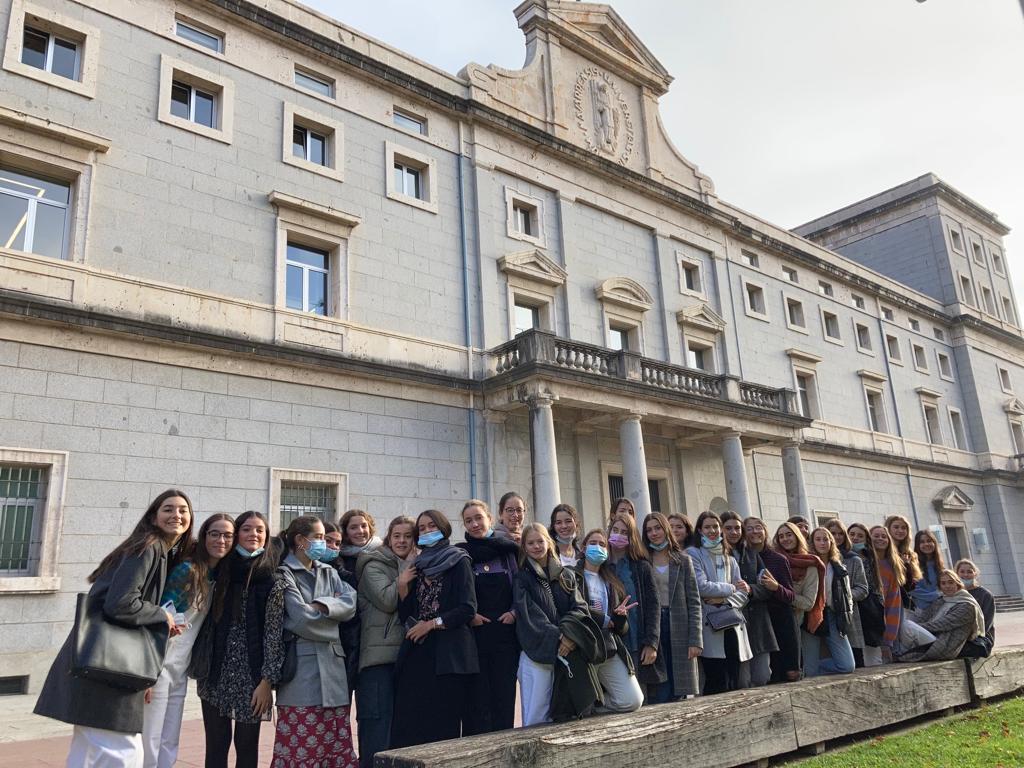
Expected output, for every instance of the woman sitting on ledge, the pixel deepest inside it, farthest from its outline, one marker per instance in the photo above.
(953, 619)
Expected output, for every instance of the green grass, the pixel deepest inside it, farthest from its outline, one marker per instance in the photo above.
(989, 737)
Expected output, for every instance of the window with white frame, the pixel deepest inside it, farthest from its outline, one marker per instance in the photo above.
(795, 319)
(619, 336)
(1004, 381)
(857, 301)
(966, 290)
(753, 300)
(294, 493)
(410, 122)
(956, 240)
(199, 34)
(314, 82)
(690, 278)
(750, 259)
(313, 142)
(196, 100)
(624, 303)
(790, 274)
(938, 333)
(46, 45)
(920, 357)
(525, 316)
(956, 428)
(411, 177)
(700, 355)
(524, 217)
(1008, 313)
(825, 288)
(945, 365)
(978, 253)
(1017, 433)
(701, 328)
(533, 282)
(933, 432)
(874, 401)
(888, 314)
(50, 53)
(34, 213)
(807, 394)
(31, 508)
(830, 327)
(914, 324)
(892, 348)
(863, 336)
(997, 260)
(987, 302)
(307, 279)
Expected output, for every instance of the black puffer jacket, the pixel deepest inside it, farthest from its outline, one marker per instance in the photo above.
(842, 598)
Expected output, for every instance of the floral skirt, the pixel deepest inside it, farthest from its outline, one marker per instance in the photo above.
(313, 737)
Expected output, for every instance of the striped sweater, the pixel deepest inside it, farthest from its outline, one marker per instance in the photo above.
(892, 601)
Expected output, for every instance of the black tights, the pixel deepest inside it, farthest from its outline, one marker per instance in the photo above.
(218, 740)
(721, 675)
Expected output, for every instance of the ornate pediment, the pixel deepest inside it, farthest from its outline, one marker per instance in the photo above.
(626, 293)
(701, 316)
(1014, 406)
(952, 500)
(533, 265)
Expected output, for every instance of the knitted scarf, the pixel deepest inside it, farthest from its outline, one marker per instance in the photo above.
(963, 596)
(435, 560)
(798, 565)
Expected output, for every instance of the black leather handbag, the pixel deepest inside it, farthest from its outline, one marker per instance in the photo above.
(117, 655)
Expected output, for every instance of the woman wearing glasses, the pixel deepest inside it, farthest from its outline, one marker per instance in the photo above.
(511, 516)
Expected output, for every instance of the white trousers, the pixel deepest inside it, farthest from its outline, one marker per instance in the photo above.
(535, 682)
(161, 725)
(100, 748)
(622, 692)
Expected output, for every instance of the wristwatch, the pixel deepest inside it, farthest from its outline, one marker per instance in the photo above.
(439, 622)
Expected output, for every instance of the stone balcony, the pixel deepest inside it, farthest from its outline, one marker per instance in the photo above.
(538, 350)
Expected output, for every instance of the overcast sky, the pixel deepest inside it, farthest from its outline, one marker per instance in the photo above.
(795, 107)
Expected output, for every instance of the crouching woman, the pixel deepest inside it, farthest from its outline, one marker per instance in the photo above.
(953, 619)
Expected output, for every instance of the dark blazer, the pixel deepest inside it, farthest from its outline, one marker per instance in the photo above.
(648, 627)
(759, 624)
(131, 595)
(454, 646)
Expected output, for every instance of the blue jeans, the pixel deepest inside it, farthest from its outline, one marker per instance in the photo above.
(841, 662)
(662, 693)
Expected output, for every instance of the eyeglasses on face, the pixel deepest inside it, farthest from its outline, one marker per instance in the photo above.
(226, 535)
(514, 510)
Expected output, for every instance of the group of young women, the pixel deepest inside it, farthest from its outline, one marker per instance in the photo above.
(432, 638)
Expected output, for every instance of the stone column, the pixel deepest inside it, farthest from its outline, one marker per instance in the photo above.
(735, 474)
(544, 457)
(634, 465)
(793, 474)
(497, 456)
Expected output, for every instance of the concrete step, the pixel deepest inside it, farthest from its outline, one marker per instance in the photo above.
(1009, 603)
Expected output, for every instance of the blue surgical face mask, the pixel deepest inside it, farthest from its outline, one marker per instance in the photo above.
(968, 583)
(329, 556)
(564, 540)
(315, 549)
(859, 546)
(709, 543)
(658, 547)
(246, 553)
(490, 532)
(596, 554)
(430, 539)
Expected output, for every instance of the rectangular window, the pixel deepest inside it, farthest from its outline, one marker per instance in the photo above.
(618, 338)
(755, 299)
(207, 39)
(525, 318)
(863, 337)
(50, 53)
(309, 145)
(986, 298)
(858, 301)
(750, 259)
(1004, 381)
(699, 356)
(997, 261)
(795, 314)
(22, 503)
(979, 256)
(939, 334)
(807, 394)
(410, 122)
(524, 218)
(956, 424)
(825, 288)
(920, 357)
(316, 83)
(956, 240)
(830, 326)
(193, 104)
(1018, 437)
(945, 366)
(34, 213)
(892, 346)
(1008, 312)
(876, 410)
(298, 499)
(914, 324)
(888, 314)
(791, 274)
(691, 278)
(306, 279)
(407, 181)
(966, 290)
(931, 424)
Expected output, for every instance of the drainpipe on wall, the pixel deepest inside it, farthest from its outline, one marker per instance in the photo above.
(896, 416)
(467, 321)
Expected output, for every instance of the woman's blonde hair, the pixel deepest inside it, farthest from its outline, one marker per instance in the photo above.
(834, 555)
(801, 542)
(541, 531)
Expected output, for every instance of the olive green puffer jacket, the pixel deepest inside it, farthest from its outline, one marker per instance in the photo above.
(381, 632)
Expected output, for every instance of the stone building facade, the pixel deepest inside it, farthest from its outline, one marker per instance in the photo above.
(252, 253)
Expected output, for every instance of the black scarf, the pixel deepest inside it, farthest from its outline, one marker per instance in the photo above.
(435, 560)
(258, 583)
(492, 548)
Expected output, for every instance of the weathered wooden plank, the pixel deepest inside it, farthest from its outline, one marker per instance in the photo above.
(714, 732)
(1000, 673)
(832, 707)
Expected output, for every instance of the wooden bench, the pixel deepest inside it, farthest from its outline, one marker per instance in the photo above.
(734, 728)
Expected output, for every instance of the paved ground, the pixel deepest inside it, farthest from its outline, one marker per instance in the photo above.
(28, 741)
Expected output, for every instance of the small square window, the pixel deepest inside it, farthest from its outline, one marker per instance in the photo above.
(956, 240)
(46, 45)
(50, 53)
(524, 217)
(313, 142)
(791, 274)
(939, 333)
(863, 337)
(888, 314)
(524, 318)
(196, 100)
(307, 279)
(945, 365)
(296, 492)
(979, 255)
(699, 356)
(920, 357)
(795, 314)
(193, 104)
(410, 122)
(203, 37)
(690, 278)
(755, 304)
(830, 326)
(892, 347)
(1004, 381)
(914, 324)
(407, 180)
(316, 83)
(825, 288)
(618, 338)
(412, 177)
(750, 259)
(309, 145)
(857, 301)
(956, 424)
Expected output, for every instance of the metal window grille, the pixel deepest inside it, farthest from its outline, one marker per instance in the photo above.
(617, 489)
(22, 492)
(298, 499)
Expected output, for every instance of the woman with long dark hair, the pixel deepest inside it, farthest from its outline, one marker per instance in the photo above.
(760, 632)
(630, 559)
(438, 656)
(808, 577)
(565, 530)
(491, 705)
(316, 698)
(128, 582)
(871, 609)
(189, 588)
(859, 590)
(247, 645)
(930, 561)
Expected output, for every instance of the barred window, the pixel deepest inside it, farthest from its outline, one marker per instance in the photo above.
(298, 499)
(22, 501)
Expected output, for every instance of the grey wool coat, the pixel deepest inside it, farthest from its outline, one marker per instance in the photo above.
(320, 679)
(858, 590)
(131, 595)
(685, 623)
